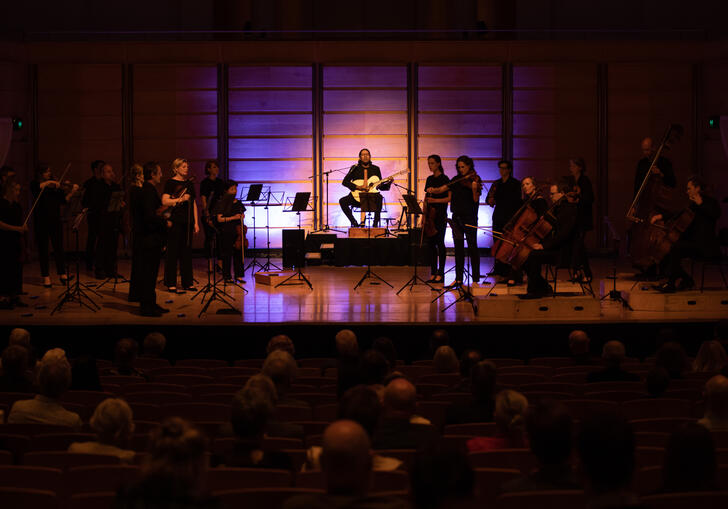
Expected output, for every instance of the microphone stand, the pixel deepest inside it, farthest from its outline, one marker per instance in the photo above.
(326, 227)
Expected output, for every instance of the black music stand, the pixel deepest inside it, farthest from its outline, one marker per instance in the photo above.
(277, 200)
(369, 204)
(116, 204)
(253, 195)
(300, 204)
(464, 290)
(414, 208)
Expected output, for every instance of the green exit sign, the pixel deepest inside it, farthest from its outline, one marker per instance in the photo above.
(714, 122)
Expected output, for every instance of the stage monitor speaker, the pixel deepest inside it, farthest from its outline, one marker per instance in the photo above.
(293, 251)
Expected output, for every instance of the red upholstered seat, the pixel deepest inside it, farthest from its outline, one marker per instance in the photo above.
(380, 481)
(519, 459)
(555, 499)
(66, 460)
(260, 497)
(224, 478)
(95, 500)
(698, 499)
(87, 479)
(26, 498)
(202, 363)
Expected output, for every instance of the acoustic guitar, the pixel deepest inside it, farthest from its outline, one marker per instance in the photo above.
(372, 184)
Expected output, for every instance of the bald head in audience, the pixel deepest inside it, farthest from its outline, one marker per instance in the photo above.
(346, 343)
(579, 342)
(613, 353)
(716, 403)
(400, 397)
(20, 337)
(346, 459)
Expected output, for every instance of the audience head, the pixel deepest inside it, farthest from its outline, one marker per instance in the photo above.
(711, 357)
(657, 381)
(361, 404)
(281, 368)
(441, 478)
(263, 383)
(445, 360)
(177, 456)
(613, 353)
(672, 357)
(154, 344)
(550, 432)
(113, 422)
(438, 338)
(606, 448)
(281, 342)
(85, 374)
(666, 335)
(716, 399)
(579, 343)
(15, 361)
(510, 412)
(125, 353)
(346, 458)
(468, 359)
(373, 367)
(54, 376)
(690, 463)
(19, 337)
(483, 381)
(251, 409)
(346, 343)
(385, 346)
(400, 397)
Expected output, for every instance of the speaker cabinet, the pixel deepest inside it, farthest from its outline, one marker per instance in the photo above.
(293, 251)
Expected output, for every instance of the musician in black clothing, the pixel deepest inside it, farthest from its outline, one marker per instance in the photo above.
(152, 228)
(229, 213)
(557, 245)
(505, 196)
(109, 221)
(47, 220)
(663, 167)
(136, 182)
(356, 172)
(533, 196)
(89, 201)
(585, 206)
(212, 188)
(698, 241)
(11, 232)
(179, 193)
(438, 202)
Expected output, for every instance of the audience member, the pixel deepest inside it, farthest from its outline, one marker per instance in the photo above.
(347, 361)
(54, 378)
(716, 404)
(154, 345)
(281, 342)
(20, 337)
(346, 462)
(672, 357)
(441, 478)
(175, 473)
(550, 430)
(690, 463)
(438, 338)
(113, 423)
(15, 374)
(396, 429)
(613, 354)
(711, 357)
(360, 404)
(445, 360)
(85, 374)
(275, 427)
(481, 405)
(579, 344)
(657, 382)
(385, 346)
(373, 368)
(125, 353)
(607, 448)
(281, 368)
(510, 419)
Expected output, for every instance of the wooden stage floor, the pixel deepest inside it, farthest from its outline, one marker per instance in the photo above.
(334, 301)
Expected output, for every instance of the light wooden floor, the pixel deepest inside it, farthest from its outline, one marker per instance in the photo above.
(333, 300)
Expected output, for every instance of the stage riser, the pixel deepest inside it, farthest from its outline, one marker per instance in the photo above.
(681, 302)
(566, 308)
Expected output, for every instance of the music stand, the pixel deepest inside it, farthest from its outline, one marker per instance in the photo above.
(116, 204)
(300, 204)
(277, 199)
(369, 204)
(414, 208)
(253, 195)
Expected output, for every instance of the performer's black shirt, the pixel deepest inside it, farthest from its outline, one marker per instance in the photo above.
(48, 209)
(702, 228)
(507, 197)
(228, 206)
(153, 225)
(664, 165)
(441, 208)
(104, 192)
(10, 213)
(462, 203)
(356, 172)
(135, 209)
(564, 221)
(212, 190)
(181, 211)
(88, 192)
(586, 203)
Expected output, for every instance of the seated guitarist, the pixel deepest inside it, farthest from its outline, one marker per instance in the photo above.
(357, 173)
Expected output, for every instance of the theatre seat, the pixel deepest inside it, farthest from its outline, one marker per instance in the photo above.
(87, 479)
(225, 478)
(697, 499)
(260, 498)
(555, 499)
(21, 476)
(65, 460)
(519, 459)
(26, 498)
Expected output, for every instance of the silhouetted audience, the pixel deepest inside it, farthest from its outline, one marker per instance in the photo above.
(579, 344)
(396, 429)
(347, 361)
(550, 434)
(672, 357)
(385, 346)
(468, 359)
(613, 354)
(657, 382)
(280, 367)
(16, 377)
(274, 427)
(21, 337)
(281, 342)
(510, 420)
(438, 338)
(125, 353)
(154, 345)
(690, 463)
(716, 404)
(85, 374)
(373, 368)
(711, 357)
(441, 478)
(481, 405)
(445, 360)
(113, 423)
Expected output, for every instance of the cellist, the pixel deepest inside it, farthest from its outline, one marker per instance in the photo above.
(436, 213)
(229, 214)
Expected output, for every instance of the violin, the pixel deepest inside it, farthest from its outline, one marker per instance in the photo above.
(241, 240)
(467, 180)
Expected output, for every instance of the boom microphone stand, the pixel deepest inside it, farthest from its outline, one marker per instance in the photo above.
(369, 205)
(268, 264)
(414, 208)
(254, 192)
(326, 227)
(300, 204)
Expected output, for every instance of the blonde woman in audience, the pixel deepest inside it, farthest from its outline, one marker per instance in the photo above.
(510, 419)
(113, 423)
(711, 357)
(445, 360)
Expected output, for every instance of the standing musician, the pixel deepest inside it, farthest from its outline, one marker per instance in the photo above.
(229, 214)
(564, 216)
(465, 199)
(179, 193)
(11, 231)
(663, 167)
(357, 172)
(505, 196)
(699, 240)
(90, 203)
(109, 222)
(135, 223)
(47, 220)
(585, 191)
(437, 213)
(152, 233)
(212, 188)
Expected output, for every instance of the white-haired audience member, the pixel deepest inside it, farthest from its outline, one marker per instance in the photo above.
(281, 342)
(113, 423)
(280, 367)
(613, 354)
(716, 404)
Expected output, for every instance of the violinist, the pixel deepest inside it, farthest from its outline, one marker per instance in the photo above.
(179, 194)
(11, 231)
(90, 203)
(505, 196)
(437, 213)
(109, 219)
(47, 220)
(212, 188)
(698, 240)
(134, 193)
(229, 213)
(662, 168)
(564, 216)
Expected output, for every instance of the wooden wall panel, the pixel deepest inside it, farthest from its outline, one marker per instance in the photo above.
(715, 155)
(15, 102)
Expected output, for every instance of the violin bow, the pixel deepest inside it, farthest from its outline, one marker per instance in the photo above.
(37, 199)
